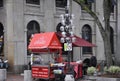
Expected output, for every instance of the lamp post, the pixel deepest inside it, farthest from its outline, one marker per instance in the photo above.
(67, 38)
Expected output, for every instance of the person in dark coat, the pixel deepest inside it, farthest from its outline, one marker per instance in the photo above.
(86, 64)
(93, 61)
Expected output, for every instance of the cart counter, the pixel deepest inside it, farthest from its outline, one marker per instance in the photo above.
(46, 71)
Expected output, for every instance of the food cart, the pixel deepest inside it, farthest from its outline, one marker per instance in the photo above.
(47, 48)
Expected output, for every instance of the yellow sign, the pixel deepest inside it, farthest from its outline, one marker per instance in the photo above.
(67, 46)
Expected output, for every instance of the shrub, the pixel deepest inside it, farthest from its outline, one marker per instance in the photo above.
(105, 69)
(91, 70)
(112, 69)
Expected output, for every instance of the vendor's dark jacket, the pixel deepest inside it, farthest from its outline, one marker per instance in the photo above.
(93, 61)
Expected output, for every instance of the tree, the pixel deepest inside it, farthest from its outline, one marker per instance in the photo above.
(104, 29)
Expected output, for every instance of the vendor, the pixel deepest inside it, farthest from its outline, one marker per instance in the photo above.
(58, 58)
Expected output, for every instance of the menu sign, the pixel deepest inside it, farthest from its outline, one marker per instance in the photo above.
(40, 72)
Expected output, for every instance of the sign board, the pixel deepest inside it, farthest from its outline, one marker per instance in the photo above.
(40, 72)
(67, 46)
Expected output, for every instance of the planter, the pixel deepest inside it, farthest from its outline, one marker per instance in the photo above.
(97, 78)
(110, 75)
(107, 79)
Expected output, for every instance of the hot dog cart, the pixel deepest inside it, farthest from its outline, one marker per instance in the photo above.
(46, 57)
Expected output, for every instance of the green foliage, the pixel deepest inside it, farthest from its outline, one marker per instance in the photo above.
(80, 1)
(112, 69)
(105, 69)
(83, 1)
(91, 70)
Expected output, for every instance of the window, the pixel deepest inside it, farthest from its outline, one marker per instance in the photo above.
(113, 5)
(1, 3)
(32, 28)
(86, 34)
(61, 3)
(112, 39)
(37, 2)
(88, 3)
(112, 9)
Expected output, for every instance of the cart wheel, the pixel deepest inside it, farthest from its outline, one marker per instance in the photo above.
(34, 79)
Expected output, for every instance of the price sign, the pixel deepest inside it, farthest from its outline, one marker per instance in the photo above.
(67, 46)
(40, 72)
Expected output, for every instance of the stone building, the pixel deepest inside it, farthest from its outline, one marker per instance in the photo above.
(19, 19)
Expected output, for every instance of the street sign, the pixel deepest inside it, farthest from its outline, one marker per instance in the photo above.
(67, 46)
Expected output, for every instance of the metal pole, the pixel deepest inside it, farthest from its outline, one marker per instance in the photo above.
(69, 52)
(69, 75)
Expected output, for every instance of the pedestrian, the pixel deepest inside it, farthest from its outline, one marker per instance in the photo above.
(93, 60)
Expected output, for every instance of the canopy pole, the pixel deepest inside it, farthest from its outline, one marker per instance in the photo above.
(31, 59)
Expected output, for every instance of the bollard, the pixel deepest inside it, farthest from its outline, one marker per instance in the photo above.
(69, 77)
(27, 75)
(3, 75)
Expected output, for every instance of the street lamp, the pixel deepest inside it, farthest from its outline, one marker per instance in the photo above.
(67, 38)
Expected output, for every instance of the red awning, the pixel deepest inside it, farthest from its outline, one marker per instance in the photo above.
(79, 42)
(45, 42)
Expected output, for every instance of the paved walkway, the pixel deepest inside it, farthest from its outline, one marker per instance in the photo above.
(14, 77)
(19, 77)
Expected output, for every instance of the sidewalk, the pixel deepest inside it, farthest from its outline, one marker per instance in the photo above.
(19, 77)
(14, 77)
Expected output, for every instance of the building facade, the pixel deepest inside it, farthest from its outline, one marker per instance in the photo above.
(19, 19)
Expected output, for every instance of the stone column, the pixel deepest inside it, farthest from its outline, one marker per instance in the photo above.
(117, 56)
(9, 45)
(14, 41)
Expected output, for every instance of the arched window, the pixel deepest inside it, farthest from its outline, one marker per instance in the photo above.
(87, 35)
(58, 27)
(114, 3)
(1, 3)
(32, 28)
(1, 39)
(112, 39)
